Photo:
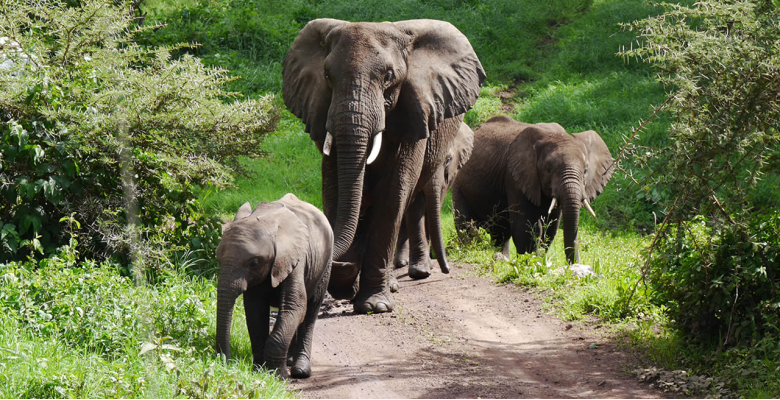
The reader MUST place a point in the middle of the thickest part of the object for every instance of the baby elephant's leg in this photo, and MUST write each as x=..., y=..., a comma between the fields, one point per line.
x=301, y=350
x=292, y=312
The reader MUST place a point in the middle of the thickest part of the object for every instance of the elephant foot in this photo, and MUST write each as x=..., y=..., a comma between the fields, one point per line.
x=280, y=371
x=343, y=283
x=302, y=368
x=392, y=282
x=419, y=270
x=401, y=261
x=373, y=301
x=500, y=257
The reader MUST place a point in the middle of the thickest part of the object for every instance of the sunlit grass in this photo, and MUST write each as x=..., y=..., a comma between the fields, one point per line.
x=41, y=356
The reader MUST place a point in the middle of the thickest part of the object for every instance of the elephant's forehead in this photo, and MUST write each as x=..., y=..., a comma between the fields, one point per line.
x=244, y=241
x=376, y=34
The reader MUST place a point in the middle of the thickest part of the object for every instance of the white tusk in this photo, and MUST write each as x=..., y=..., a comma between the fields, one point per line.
x=375, y=148
x=327, y=144
x=590, y=210
x=552, y=205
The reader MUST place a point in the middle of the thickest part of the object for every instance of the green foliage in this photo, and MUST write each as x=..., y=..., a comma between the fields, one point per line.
x=720, y=61
x=614, y=257
x=94, y=124
x=291, y=166
x=716, y=283
x=79, y=329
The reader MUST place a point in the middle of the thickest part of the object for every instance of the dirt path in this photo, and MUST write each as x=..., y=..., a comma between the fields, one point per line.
x=461, y=336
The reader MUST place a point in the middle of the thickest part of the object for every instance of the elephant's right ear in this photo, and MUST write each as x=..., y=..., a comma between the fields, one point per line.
x=522, y=163
x=304, y=89
x=466, y=138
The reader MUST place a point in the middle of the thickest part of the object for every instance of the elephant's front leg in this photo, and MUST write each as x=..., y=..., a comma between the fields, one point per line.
x=257, y=309
x=292, y=310
x=396, y=181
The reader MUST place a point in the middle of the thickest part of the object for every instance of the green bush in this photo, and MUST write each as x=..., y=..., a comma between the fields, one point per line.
x=718, y=265
x=716, y=282
x=97, y=128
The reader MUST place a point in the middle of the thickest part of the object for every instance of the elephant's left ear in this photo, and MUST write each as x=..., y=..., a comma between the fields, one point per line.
x=442, y=81
x=600, y=162
x=291, y=242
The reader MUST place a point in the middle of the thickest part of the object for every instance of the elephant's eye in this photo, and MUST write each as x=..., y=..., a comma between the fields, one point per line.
x=327, y=76
x=586, y=171
x=253, y=263
x=390, y=76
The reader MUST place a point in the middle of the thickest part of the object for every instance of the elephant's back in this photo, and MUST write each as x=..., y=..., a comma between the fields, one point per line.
x=310, y=215
x=479, y=183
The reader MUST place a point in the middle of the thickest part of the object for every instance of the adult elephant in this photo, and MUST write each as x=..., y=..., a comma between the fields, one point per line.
x=381, y=101
x=522, y=178
x=423, y=216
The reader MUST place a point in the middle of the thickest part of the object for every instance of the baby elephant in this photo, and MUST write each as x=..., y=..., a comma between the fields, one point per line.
x=277, y=255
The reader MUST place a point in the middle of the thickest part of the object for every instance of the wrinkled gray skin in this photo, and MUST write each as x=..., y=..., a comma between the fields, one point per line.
x=277, y=255
x=515, y=171
x=410, y=80
x=423, y=216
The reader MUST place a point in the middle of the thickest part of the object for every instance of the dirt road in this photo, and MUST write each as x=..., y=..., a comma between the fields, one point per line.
x=461, y=336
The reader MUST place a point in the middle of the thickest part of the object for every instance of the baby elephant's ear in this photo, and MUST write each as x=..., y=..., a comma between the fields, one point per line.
x=243, y=211
x=291, y=244
x=600, y=162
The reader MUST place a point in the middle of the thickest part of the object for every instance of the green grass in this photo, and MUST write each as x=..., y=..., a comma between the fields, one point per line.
x=76, y=331
x=292, y=165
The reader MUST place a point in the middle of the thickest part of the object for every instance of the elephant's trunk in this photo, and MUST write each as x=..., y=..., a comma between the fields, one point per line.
x=227, y=292
x=433, y=218
x=571, y=199
x=352, y=144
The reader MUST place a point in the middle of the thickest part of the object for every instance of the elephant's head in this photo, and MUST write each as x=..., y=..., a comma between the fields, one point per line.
x=349, y=82
x=260, y=247
x=457, y=156
x=548, y=163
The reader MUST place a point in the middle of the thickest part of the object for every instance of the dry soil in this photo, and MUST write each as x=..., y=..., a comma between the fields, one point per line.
x=462, y=336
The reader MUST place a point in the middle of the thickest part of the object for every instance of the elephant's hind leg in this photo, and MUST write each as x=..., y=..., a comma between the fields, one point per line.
x=419, y=251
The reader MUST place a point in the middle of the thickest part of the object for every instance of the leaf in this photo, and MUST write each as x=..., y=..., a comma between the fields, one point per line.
x=171, y=347
x=147, y=347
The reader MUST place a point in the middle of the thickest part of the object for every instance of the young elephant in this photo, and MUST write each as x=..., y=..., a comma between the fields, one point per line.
x=277, y=255
x=533, y=173
x=423, y=216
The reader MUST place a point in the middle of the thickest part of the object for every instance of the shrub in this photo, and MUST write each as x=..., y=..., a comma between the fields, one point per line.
x=716, y=283
x=97, y=128
x=718, y=267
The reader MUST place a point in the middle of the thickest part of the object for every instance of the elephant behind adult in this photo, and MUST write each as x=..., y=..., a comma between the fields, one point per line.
x=423, y=217
x=522, y=178
x=398, y=90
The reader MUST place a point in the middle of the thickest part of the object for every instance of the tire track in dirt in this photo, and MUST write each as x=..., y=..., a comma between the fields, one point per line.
x=462, y=336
